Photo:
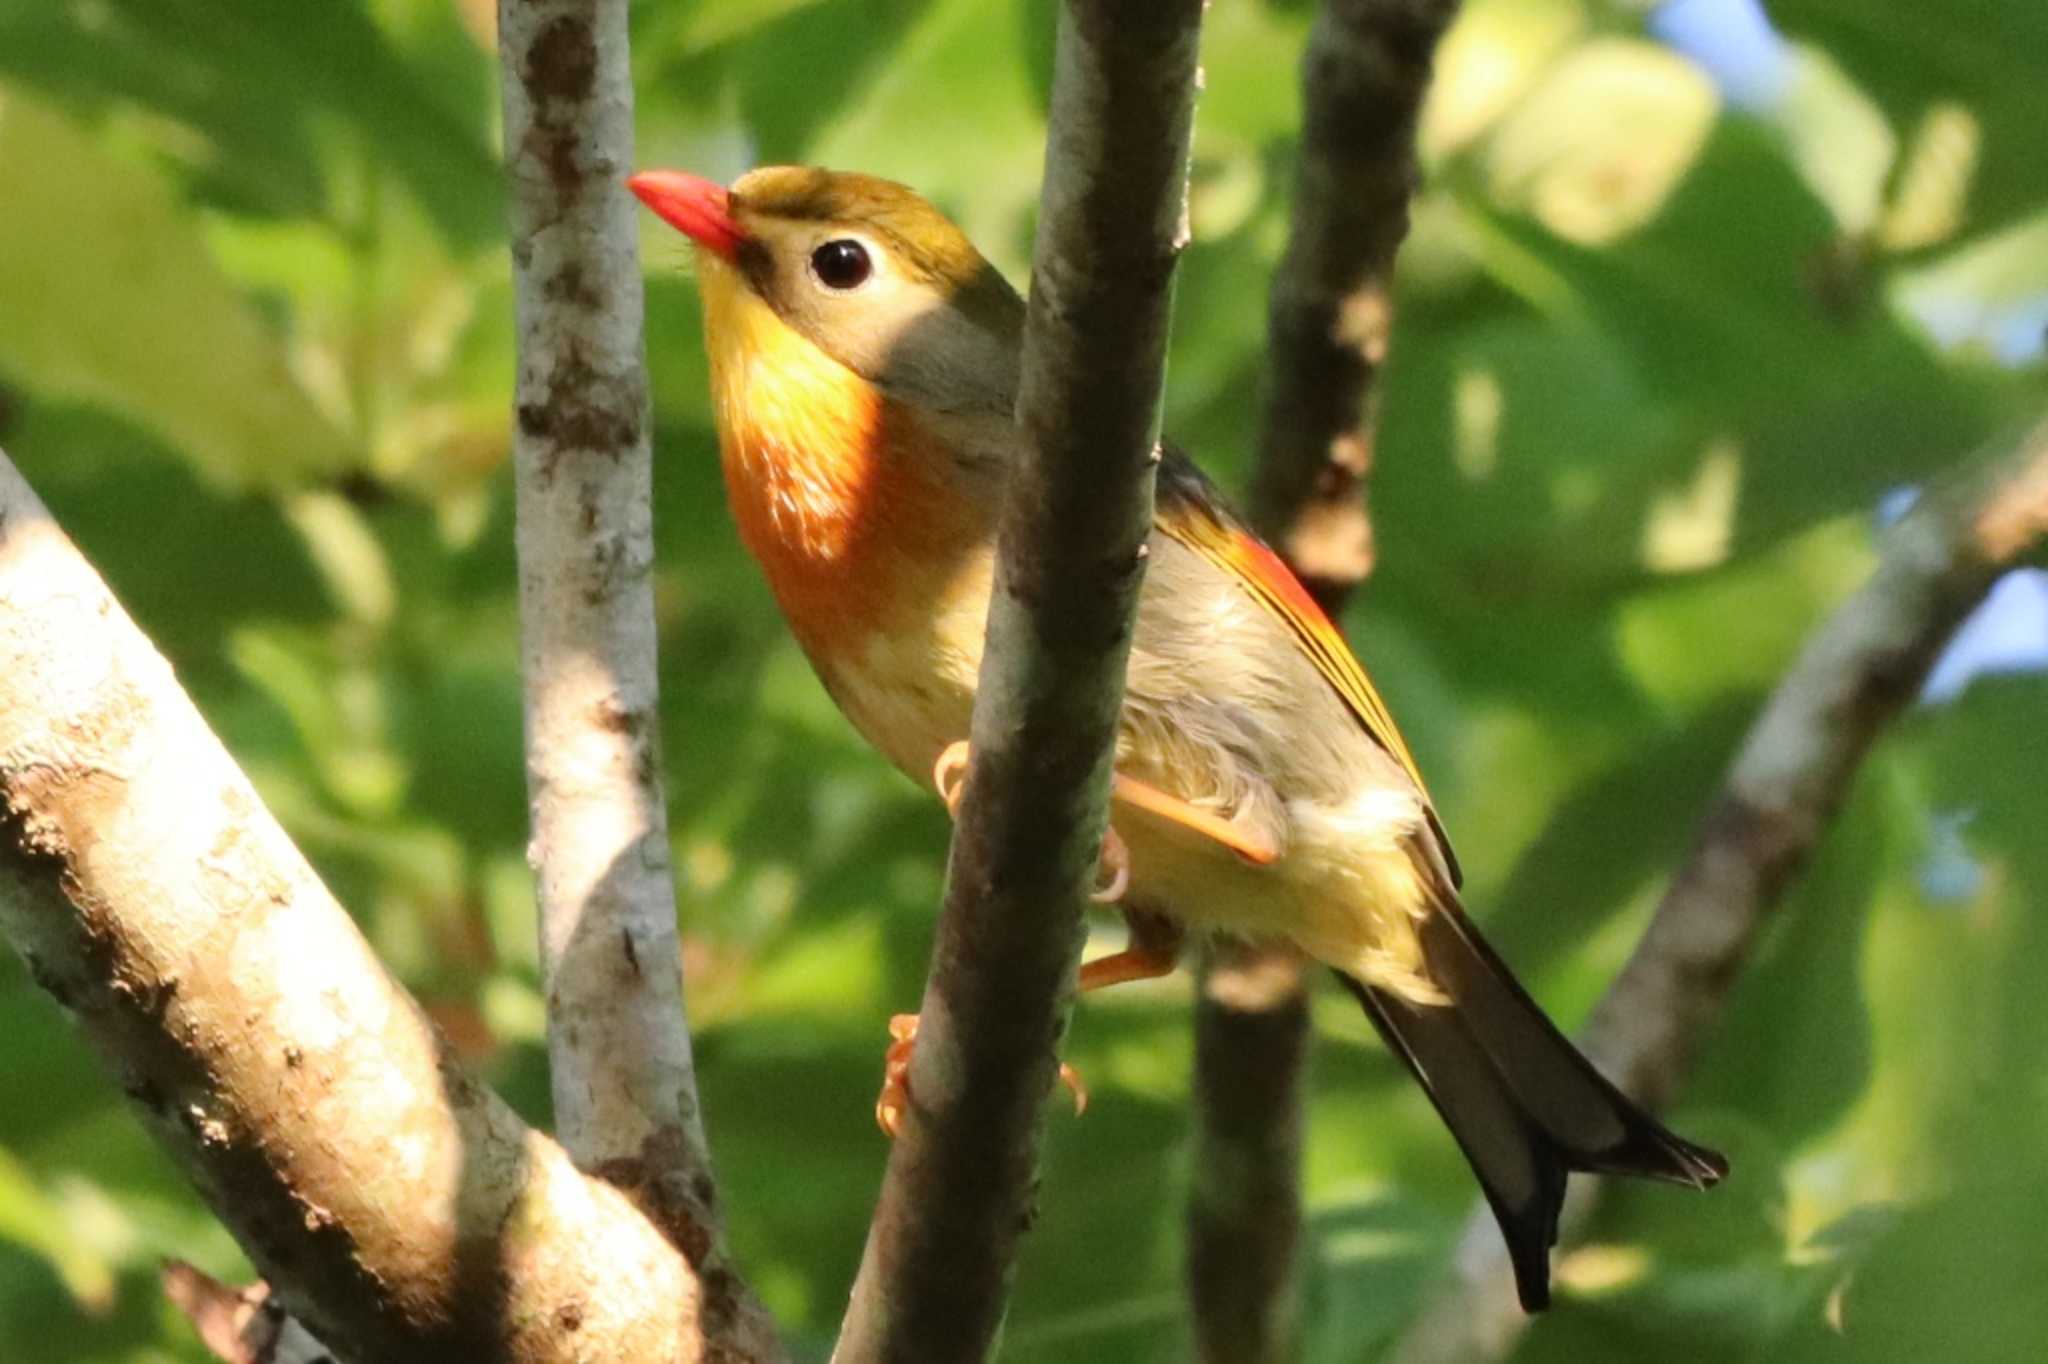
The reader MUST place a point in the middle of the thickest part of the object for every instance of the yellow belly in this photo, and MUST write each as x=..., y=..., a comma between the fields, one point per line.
x=908, y=685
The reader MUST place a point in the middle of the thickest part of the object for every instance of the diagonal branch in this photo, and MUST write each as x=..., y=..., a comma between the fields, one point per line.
x=1070, y=559
x=1862, y=668
x=1364, y=75
x=625, y=1092
x=398, y=1208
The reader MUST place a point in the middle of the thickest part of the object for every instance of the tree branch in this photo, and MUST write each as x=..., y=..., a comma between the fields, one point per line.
x=1863, y=667
x=625, y=1093
x=1244, y=1208
x=1364, y=75
x=398, y=1207
x=1070, y=559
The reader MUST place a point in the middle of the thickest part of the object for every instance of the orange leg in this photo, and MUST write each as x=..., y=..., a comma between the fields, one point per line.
x=895, y=1096
x=1155, y=942
x=949, y=774
x=894, y=1099
x=1154, y=950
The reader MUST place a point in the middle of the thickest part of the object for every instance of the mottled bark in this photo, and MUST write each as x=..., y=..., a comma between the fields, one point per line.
x=625, y=1096
x=1862, y=667
x=1070, y=559
x=396, y=1206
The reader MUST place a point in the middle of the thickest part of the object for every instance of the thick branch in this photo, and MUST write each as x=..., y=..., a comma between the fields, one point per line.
x=398, y=1208
x=1363, y=79
x=1070, y=559
x=624, y=1089
x=1863, y=667
x=1364, y=75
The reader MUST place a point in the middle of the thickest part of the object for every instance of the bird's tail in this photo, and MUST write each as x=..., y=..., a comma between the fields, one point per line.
x=1526, y=1107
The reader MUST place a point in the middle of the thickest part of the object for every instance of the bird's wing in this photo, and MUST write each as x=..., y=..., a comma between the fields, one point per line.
x=1192, y=512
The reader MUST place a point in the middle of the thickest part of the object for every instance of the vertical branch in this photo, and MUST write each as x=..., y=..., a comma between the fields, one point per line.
x=1363, y=79
x=624, y=1090
x=1070, y=557
x=1364, y=75
x=1244, y=1211
x=1858, y=672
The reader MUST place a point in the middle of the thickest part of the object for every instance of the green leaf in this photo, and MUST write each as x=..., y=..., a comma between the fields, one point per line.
x=1610, y=837
x=1731, y=304
x=30, y=1218
x=1957, y=1279
x=264, y=84
x=113, y=299
x=1983, y=57
x=1365, y=1261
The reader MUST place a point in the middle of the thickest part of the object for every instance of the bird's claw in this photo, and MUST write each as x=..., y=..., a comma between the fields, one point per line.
x=894, y=1100
x=1116, y=859
x=949, y=775
x=1071, y=1078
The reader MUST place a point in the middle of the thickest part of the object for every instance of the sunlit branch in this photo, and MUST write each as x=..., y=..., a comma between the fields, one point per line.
x=625, y=1093
x=395, y=1205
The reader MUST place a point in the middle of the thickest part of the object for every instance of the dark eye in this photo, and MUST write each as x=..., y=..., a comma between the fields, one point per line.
x=841, y=264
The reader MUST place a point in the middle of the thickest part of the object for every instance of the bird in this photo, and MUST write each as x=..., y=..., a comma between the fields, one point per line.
x=864, y=361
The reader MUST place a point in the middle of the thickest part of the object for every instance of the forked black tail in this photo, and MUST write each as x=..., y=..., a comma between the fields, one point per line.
x=1526, y=1107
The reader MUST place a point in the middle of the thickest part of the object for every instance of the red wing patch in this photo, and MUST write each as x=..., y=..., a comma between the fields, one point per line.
x=1275, y=587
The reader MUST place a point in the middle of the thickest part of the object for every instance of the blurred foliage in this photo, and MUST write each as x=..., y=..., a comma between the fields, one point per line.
x=1661, y=351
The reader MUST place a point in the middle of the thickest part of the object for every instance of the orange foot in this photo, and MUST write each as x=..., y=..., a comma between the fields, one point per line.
x=894, y=1100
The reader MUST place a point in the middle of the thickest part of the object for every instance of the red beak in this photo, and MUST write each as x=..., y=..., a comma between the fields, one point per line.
x=695, y=206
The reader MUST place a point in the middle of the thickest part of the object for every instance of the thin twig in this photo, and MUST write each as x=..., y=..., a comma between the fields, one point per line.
x=1862, y=667
x=1070, y=559
x=398, y=1208
x=625, y=1093
x=1364, y=75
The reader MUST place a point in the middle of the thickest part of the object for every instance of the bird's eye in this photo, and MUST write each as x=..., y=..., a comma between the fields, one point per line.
x=841, y=263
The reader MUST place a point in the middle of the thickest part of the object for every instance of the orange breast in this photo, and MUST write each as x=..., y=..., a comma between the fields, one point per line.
x=839, y=492
x=850, y=533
